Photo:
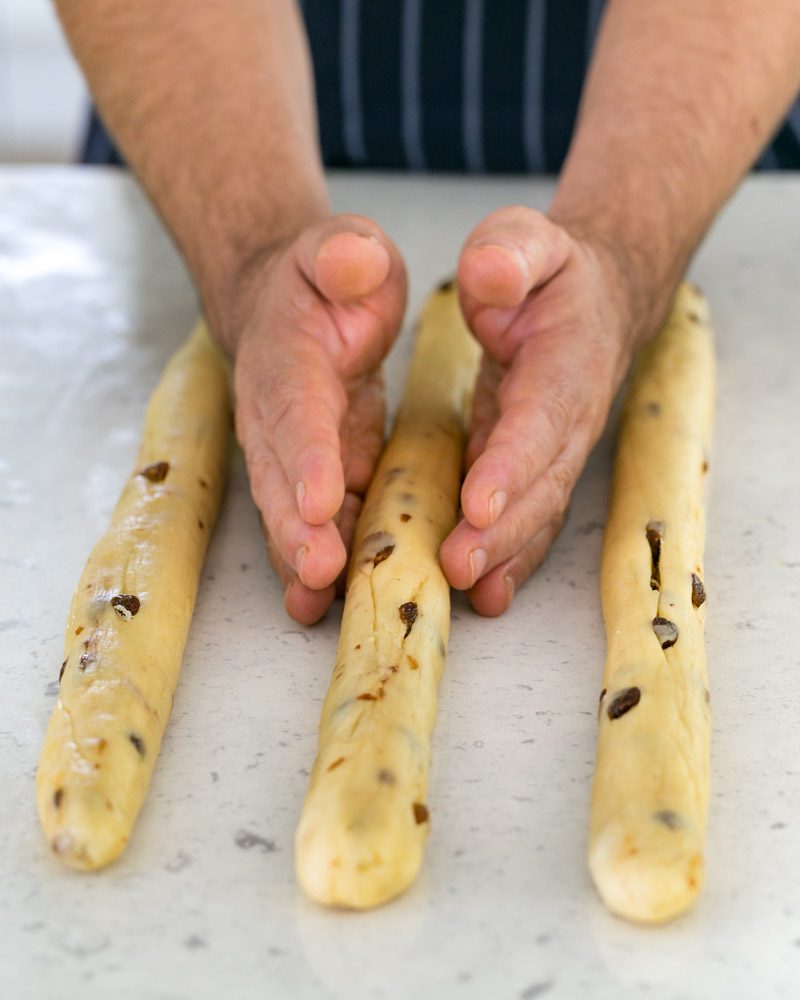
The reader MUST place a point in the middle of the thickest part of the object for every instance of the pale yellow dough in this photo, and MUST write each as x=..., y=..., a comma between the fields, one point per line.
x=650, y=795
x=364, y=822
x=130, y=616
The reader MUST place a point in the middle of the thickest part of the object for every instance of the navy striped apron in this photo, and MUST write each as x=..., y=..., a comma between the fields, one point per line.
x=453, y=85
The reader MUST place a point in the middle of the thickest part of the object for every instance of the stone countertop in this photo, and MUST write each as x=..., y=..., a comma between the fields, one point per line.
x=204, y=903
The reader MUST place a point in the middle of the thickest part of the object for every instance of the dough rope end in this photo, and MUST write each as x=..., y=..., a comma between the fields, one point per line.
x=332, y=878
x=355, y=869
x=647, y=883
x=69, y=821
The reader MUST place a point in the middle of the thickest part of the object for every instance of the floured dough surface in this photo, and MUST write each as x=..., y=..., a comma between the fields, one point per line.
x=130, y=616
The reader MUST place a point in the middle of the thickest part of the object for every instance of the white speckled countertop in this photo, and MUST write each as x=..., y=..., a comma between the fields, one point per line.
x=204, y=902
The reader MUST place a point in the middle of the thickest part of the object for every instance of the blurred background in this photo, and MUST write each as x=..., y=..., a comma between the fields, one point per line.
x=42, y=97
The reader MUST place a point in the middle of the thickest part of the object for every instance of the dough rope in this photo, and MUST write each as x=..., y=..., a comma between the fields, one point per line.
x=130, y=615
x=650, y=795
x=363, y=826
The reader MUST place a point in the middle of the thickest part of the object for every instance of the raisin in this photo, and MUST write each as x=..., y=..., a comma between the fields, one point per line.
x=698, y=591
x=654, y=533
x=367, y=697
x=58, y=797
x=383, y=554
x=405, y=517
x=666, y=631
x=126, y=605
x=408, y=615
x=623, y=702
x=386, y=777
x=61, y=671
x=138, y=742
x=670, y=819
x=420, y=813
x=155, y=473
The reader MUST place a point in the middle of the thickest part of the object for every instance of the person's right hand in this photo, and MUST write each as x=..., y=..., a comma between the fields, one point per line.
x=313, y=321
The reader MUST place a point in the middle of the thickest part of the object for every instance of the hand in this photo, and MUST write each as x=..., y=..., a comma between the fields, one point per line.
x=313, y=322
x=551, y=310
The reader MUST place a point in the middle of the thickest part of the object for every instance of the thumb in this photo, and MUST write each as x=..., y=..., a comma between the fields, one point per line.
x=509, y=254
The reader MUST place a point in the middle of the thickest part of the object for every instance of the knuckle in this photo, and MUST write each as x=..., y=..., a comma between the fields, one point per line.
x=560, y=411
x=558, y=489
x=283, y=405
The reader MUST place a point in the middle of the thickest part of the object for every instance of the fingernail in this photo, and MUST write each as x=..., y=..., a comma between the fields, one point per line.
x=300, y=492
x=514, y=252
x=497, y=504
x=510, y=588
x=477, y=563
x=524, y=265
x=300, y=555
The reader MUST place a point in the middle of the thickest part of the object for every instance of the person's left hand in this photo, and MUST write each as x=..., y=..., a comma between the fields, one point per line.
x=553, y=312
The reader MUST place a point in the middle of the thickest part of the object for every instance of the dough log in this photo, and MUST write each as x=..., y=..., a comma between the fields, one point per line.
x=364, y=822
x=650, y=795
x=130, y=616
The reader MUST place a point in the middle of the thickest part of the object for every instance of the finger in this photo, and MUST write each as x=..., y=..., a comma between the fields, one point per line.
x=346, y=257
x=346, y=523
x=540, y=401
x=495, y=591
x=341, y=331
x=349, y=265
x=326, y=440
x=362, y=431
x=306, y=606
x=315, y=553
x=469, y=553
x=299, y=409
x=511, y=252
x=358, y=270
x=485, y=411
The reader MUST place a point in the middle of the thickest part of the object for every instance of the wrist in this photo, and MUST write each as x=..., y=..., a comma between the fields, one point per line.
x=640, y=261
x=230, y=275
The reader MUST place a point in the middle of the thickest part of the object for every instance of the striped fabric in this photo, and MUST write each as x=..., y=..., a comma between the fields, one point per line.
x=453, y=85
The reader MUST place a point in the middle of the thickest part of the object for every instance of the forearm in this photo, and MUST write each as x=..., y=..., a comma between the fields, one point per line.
x=681, y=97
x=212, y=105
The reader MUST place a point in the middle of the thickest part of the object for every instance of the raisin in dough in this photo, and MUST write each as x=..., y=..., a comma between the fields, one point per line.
x=650, y=794
x=364, y=822
x=130, y=616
